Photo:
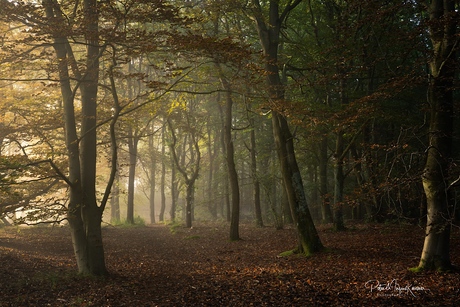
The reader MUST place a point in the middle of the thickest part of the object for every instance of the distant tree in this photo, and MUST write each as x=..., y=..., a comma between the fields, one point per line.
x=189, y=165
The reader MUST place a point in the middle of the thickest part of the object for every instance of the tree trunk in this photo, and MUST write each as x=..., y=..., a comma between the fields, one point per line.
x=230, y=157
x=269, y=34
x=163, y=177
x=84, y=216
x=211, y=203
x=132, y=146
x=232, y=174
x=174, y=193
x=188, y=204
x=152, y=171
x=190, y=173
x=435, y=254
x=226, y=198
x=255, y=177
x=339, y=183
x=115, y=201
x=326, y=214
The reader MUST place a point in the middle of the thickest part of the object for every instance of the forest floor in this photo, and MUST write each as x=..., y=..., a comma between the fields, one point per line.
x=162, y=265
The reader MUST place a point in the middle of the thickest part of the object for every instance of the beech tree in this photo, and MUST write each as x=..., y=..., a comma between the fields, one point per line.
x=443, y=27
x=269, y=29
x=79, y=43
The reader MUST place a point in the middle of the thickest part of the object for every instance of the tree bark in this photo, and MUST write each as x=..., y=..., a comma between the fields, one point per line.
x=84, y=215
x=174, y=192
x=132, y=149
x=232, y=174
x=115, y=201
x=269, y=35
x=326, y=214
x=192, y=174
x=226, y=183
x=255, y=178
x=339, y=183
x=163, y=176
x=436, y=247
x=152, y=171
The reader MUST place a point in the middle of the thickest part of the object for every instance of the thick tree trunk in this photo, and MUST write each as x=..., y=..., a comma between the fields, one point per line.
x=435, y=254
x=269, y=35
x=309, y=241
x=84, y=216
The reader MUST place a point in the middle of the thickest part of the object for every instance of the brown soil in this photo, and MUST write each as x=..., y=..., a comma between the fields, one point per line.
x=161, y=266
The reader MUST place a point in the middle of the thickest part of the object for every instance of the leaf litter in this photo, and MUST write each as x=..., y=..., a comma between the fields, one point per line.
x=367, y=265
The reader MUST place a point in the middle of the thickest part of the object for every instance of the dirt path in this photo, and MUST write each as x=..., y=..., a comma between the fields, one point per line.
x=161, y=266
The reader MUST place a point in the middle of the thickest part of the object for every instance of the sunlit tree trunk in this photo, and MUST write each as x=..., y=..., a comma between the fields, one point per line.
x=84, y=215
x=443, y=25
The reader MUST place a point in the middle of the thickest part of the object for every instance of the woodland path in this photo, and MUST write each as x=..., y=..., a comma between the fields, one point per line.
x=162, y=265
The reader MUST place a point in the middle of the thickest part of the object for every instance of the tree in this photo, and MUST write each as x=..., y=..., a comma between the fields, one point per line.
x=79, y=43
x=269, y=35
x=190, y=167
x=84, y=215
x=443, y=24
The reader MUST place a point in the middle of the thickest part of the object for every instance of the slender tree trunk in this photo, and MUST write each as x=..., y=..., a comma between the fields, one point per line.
x=163, y=176
x=189, y=186
x=232, y=174
x=211, y=203
x=226, y=198
x=255, y=178
x=174, y=192
x=443, y=25
x=152, y=171
x=339, y=183
x=326, y=214
x=115, y=201
x=190, y=175
x=132, y=145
